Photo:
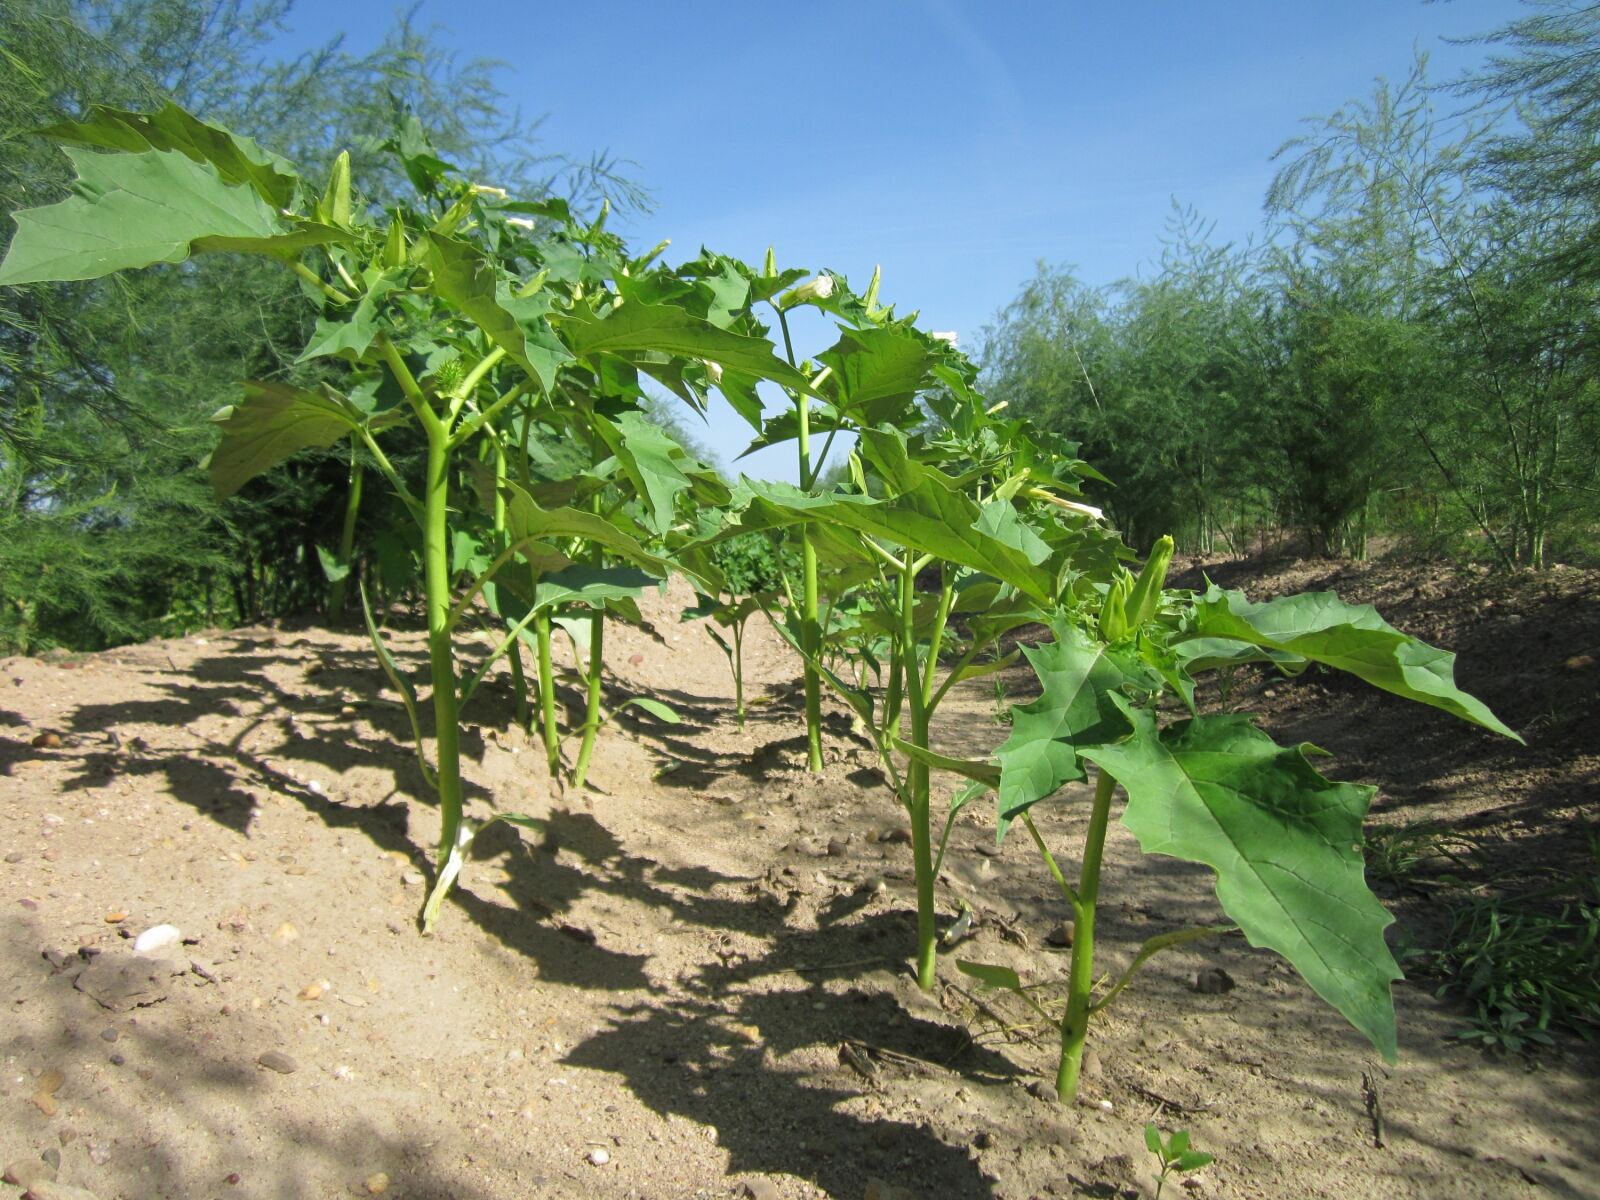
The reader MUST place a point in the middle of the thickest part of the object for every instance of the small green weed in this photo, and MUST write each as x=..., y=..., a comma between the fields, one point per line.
x=1173, y=1154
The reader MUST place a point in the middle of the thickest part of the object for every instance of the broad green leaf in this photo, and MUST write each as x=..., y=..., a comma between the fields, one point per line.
x=931, y=520
x=876, y=372
x=526, y=520
x=351, y=337
x=652, y=460
x=132, y=210
x=272, y=422
x=671, y=330
x=591, y=586
x=469, y=279
x=1284, y=842
x=1352, y=637
x=237, y=159
x=1082, y=679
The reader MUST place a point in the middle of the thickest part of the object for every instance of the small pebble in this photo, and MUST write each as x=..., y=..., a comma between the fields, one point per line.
x=116, y=917
x=377, y=1184
x=15, y=856
x=156, y=938
x=232, y=1178
x=1213, y=981
x=26, y=1172
x=898, y=836
x=1061, y=935
x=758, y=1189
x=117, y=1060
x=47, y=741
x=276, y=1060
x=598, y=1157
x=109, y=1034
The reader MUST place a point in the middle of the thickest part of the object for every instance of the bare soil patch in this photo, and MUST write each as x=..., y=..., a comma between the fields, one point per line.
x=696, y=984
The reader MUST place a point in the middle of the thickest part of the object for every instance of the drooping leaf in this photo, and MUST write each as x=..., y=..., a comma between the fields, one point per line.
x=1352, y=637
x=526, y=520
x=592, y=586
x=876, y=372
x=469, y=279
x=658, y=710
x=332, y=568
x=992, y=976
x=1082, y=679
x=272, y=422
x=1284, y=842
x=671, y=330
x=652, y=460
x=931, y=520
x=236, y=159
x=351, y=337
x=132, y=210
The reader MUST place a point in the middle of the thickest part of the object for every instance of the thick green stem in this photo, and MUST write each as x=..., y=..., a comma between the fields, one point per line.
x=347, y=539
x=591, y=716
x=547, y=693
x=810, y=629
x=519, y=681
x=441, y=660
x=1080, y=981
x=738, y=672
x=915, y=789
x=454, y=836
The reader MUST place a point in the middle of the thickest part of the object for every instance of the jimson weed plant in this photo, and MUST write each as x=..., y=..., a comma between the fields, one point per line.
x=511, y=342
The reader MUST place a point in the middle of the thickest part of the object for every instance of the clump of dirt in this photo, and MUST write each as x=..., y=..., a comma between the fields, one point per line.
x=694, y=983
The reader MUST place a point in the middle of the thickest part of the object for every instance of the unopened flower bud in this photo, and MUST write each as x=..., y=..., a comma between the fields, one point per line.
x=819, y=288
x=483, y=189
x=949, y=337
x=521, y=222
x=713, y=371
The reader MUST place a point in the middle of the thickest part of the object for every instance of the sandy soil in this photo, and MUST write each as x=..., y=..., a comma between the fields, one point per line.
x=696, y=985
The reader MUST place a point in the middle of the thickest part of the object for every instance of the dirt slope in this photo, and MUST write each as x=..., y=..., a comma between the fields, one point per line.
x=695, y=985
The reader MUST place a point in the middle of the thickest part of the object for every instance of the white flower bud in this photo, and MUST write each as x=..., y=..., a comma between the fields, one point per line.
x=949, y=337
x=483, y=189
x=713, y=371
x=521, y=222
x=819, y=288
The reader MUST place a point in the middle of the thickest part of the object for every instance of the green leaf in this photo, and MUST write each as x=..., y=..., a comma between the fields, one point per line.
x=132, y=210
x=591, y=586
x=470, y=280
x=1193, y=1160
x=1352, y=637
x=658, y=710
x=350, y=338
x=984, y=773
x=876, y=372
x=671, y=330
x=931, y=520
x=271, y=423
x=236, y=159
x=527, y=521
x=1082, y=679
x=992, y=976
x=331, y=566
x=1284, y=842
x=652, y=460
x=1152, y=1140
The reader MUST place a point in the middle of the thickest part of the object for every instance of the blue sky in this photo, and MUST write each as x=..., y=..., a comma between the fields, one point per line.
x=957, y=144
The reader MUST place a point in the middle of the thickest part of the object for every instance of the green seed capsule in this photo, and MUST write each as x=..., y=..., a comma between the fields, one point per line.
x=1144, y=601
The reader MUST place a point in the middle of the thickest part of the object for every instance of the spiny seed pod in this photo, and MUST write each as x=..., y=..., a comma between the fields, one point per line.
x=449, y=375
